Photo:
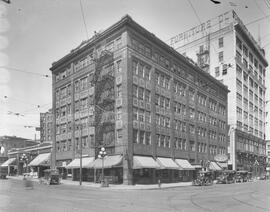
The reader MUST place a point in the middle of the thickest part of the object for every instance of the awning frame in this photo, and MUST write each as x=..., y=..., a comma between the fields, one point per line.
x=8, y=162
x=138, y=162
x=86, y=161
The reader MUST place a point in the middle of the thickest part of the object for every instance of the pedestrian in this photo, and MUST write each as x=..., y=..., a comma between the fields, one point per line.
x=28, y=183
x=159, y=183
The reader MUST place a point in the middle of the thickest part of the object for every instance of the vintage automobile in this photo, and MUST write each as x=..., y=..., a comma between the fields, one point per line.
x=51, y=176
x=204, y=178
x=241, y=176
x=226, y=176
x=262, y=177
x=3, y=172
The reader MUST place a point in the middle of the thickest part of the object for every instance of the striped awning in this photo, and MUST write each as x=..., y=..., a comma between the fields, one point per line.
x=75, y=164
x=184, y=164
x=214, y=166
x=8, y=162
x=167, y=163
x=41, y=160
x=109, y=162
x=144, y=162
x=223, y=165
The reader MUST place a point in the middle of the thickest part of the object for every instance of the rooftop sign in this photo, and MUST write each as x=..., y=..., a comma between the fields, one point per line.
x=203, y=29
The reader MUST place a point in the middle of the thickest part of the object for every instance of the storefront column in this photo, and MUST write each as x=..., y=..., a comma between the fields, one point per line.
x=127, y=172
x=73, y=174
x=154, y=178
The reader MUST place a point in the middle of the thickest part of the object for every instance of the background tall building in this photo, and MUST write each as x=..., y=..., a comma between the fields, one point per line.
x=224, y=48
x=126, y=90
x=46, y=126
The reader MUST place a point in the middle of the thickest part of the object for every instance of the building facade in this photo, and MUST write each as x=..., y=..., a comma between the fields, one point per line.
x=127, y=91
x=224, y=48
x=9, y=142
x=33, y=158
x=46, y=126
x=268, y=152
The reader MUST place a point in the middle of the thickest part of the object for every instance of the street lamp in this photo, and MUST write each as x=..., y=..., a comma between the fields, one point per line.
x=2, y=149
x=24, y=159
x=102, y=154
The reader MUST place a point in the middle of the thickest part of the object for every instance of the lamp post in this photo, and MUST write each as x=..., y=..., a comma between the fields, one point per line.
x=102, y=154
x=2, y=149
x=24, y=159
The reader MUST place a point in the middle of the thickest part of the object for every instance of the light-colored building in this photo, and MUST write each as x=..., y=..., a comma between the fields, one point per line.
x=46, y=126
x=225, y=49
x=268, y=152
x=127, y=91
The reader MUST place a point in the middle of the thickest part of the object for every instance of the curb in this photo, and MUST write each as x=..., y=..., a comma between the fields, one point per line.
x=115, y=187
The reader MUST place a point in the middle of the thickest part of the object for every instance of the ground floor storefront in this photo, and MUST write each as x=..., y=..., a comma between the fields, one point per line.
x=144, y=170
x=254, y=164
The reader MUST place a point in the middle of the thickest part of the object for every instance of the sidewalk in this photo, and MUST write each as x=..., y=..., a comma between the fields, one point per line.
x=115, y=186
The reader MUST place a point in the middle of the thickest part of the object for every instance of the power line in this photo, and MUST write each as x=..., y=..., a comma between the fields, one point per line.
x=195, y=11
x=18, y=100
x=23, y=71
x=259, y=19
x=82, y=12
x=265, y=15
x=267, y=3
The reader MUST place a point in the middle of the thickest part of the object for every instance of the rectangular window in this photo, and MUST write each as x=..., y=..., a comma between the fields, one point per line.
x=141, y=115
x=147, y=72
x=135, y=91
x=147, y=138
x=217, y=71
x=135, y=136
x=147, y=95
x=142, y=133
x=141, y=93
x=245, y=51
x=220, y=57
x=135, y=114
x=238, y=43
x=192, y=146
x=140, y=70
x=118, y=91
x=224, y=69
x=220, y=42
x=147, y=116
x=134, y=68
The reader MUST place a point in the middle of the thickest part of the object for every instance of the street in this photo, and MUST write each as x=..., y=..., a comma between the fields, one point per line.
x=251, y=196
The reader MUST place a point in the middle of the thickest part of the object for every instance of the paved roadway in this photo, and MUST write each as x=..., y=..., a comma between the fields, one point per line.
x=248, y=197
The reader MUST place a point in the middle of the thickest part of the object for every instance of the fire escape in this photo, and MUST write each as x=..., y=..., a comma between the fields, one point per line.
x=104, y=102
x=203, y=56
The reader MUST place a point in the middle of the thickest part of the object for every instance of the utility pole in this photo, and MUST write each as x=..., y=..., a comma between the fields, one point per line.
x=80, y=126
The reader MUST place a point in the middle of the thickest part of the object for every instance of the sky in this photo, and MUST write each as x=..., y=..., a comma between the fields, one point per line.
x=35, y=33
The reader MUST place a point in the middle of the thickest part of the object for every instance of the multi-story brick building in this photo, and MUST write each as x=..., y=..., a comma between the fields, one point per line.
x=224, y=48
x=148, y=105
x=46, y=126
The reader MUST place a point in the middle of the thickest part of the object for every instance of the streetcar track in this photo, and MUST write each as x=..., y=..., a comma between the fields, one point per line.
x=197, y=205
x=250, y=204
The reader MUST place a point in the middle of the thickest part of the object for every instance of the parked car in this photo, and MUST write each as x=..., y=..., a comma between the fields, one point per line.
x=226, y=176
x=3, y=172
x=241, y=176
x=51, y=176
x=262, y=177
x=204, y=178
